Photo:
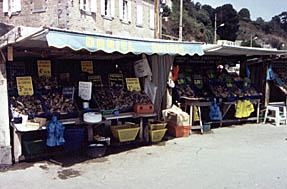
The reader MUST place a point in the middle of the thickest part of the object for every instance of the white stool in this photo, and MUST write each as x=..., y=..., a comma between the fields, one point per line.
x=279, y=114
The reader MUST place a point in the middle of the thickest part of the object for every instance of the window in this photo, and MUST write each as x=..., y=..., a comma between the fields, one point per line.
x=88, y=6
x=38, y=5
x=151, y=19
x=125, y=10
x=11, y=6
x=139, y=15
x=108, y=8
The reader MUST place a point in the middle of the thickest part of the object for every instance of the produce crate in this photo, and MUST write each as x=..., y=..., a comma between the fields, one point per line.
x=260, y=95
x=125, y=133
x=144, y=108
x=157, y=135
x=156, y=125
x=179, y=131
x=34, y=147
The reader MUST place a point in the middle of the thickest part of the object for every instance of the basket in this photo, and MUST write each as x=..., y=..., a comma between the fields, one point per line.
x=155, y=125
x=157, y=135
x=34, y=147
x=125, y=133
x=96, y=150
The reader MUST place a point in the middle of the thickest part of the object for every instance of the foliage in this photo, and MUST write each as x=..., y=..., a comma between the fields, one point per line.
x=244, y=15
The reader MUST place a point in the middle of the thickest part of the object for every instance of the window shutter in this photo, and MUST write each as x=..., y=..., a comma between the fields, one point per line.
x=129, y=11
x=139, y=15
x=17, y=6
x=151, y=18
x=82, y=4
x=121, y=9
x=113, y=8
x=103, y=7
x=94, y=6
x=5, y=6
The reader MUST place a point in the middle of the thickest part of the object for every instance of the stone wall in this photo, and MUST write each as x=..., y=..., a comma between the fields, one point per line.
x=70, y=17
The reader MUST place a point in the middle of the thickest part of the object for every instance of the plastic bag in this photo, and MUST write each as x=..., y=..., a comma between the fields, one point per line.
x=142, y=68
x=55, y=132
x=150, y=89
x=243, y=108
x=215, y=113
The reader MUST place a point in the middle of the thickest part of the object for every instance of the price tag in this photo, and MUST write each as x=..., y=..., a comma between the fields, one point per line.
x=25, y=86
x=116, y=80
x=197, y=80
x=85, y=90
x=44, y=68
x=96, y=80
x=181, y=80
x=210, y=74
x=246, y=83
x=229, y=84
x=133, y=84
x=87, y=66
x=69, y=92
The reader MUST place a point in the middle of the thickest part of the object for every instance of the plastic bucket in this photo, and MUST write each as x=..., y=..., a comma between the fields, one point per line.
x=96, y=150
x=206, y=127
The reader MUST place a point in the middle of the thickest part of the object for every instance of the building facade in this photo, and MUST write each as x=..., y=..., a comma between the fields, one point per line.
x=133, y=18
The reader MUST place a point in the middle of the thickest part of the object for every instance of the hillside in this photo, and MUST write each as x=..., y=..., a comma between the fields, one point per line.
x=198, y=25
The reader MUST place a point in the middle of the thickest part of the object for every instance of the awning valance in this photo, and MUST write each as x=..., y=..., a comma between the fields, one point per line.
x=109, y=44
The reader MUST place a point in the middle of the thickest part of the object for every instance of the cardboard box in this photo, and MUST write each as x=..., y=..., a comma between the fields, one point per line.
x=178, y=119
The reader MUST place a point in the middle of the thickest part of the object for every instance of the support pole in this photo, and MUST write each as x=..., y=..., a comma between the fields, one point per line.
x=215, y=28
x=156, y=20
x=180, y=21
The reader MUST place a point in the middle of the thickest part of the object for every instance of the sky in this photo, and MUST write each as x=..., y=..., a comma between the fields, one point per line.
x=265, y=9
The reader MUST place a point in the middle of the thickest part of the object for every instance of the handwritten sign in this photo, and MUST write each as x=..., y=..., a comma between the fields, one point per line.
x=69, y=92
x=229, y=84
x=87, y=66
x=210, y=74
x=85, y=90
x=246, y=83
x=16, y=69
x=116, y=80
x=198, y=82
x=44, y=68
x=25, y=86
x=96, y=80
x=133, y=84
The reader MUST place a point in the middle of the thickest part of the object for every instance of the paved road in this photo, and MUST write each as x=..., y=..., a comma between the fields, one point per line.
x=245, y=156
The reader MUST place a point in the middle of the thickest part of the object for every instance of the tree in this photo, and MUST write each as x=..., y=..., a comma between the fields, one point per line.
x=244, y=15
x=227, y=14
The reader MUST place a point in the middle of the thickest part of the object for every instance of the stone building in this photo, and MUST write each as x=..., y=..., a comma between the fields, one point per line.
x=133, y=18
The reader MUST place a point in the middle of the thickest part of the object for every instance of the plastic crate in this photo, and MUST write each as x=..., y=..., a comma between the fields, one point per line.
x=157, y=135
x=179, y=131
x=34, y=147
x=155, y=125
x=144, y=108
x=125, y=133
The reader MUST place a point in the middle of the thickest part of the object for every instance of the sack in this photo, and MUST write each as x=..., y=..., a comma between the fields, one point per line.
x=150, y=89
x=243, y=108
x=215, y=113
x=175, y=116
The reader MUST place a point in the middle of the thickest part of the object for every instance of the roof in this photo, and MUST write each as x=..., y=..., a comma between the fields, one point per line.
x=43, y=37
x=225, y=50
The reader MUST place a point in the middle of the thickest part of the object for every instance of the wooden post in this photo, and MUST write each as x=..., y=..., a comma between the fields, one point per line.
x=156, y=20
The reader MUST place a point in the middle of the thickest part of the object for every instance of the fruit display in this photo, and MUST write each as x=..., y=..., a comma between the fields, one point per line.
x=58, y=103
x=108, y=99
x=47, y=83
x=187, y=91
x=26, y=105
x=253, y=92
x=220, y=90
x=238, y=92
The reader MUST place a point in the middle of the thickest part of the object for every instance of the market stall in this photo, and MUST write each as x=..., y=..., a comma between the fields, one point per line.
x=212, y=83
x=67, y=74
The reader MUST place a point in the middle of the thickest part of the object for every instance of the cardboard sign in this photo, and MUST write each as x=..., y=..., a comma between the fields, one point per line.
x=116, y=80
x=87, y=66
x=198, y=82
x=25, y=86
x=44, y=68
x=229, y=84
x=246, y=83
x=96, y=80
x=133, y=84
x=69, y=92
x=181, y=80
x=210, y=74
x=85, y=90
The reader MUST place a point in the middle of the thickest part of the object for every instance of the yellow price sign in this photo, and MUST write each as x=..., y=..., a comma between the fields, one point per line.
x=197, y=82
x=44, y=68
x=133, y=84
x=25, y=86
x=87, y=66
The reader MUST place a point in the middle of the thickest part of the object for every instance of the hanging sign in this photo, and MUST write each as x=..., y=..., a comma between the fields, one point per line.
x=198, y=82
x=116, y=80
x=96, y=80
x=87, y=66
x=133, y=84
x=210, y=74
x=69, y=92
x=25, y=86
x=16, y=69
x=85, y=90
x=44, y=68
